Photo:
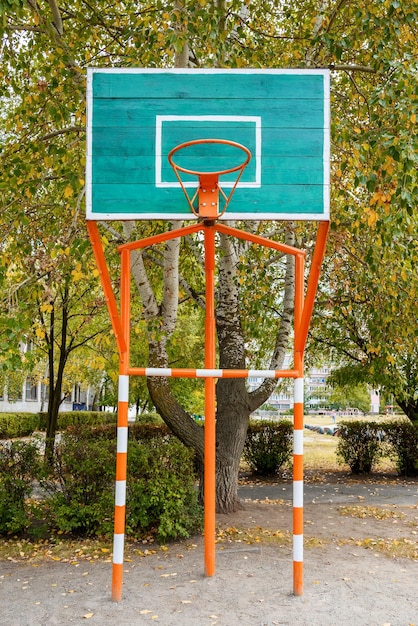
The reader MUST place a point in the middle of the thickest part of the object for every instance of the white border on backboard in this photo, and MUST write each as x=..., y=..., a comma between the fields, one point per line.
x=160, y=119
x=229, y=215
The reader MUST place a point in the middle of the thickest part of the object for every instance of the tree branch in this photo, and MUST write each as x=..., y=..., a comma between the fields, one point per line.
x=351, y=68
x=63, y=131
x=56, y=17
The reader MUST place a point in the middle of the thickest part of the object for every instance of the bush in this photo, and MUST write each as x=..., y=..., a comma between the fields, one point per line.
x=360, y=445
x=19, y=465
x=145, y=431
x=402, y=439
x=161, y=495
x=14, y=425
x=268, y=446
x=151, y=417
x=81, y=483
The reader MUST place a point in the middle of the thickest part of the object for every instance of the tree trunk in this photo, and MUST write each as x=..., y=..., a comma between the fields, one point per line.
x=55, y=384
x=410, y=408
x=233, y=409
x=231, y=429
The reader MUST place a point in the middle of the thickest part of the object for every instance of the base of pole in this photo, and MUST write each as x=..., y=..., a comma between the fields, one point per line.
x=117, y=575
x=298, y=578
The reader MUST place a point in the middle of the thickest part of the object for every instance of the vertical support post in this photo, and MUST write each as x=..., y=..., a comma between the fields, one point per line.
x=210, y=423
x=122, y=435
x=298, y=489
x=298, y=413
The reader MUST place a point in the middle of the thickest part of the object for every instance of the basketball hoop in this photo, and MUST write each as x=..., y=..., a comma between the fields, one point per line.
x=207, y=192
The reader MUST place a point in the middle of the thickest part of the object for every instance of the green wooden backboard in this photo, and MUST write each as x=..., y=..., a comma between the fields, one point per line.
x=136, y=116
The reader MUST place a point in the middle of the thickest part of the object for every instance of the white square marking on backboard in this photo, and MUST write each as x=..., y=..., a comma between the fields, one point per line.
x=160, y=119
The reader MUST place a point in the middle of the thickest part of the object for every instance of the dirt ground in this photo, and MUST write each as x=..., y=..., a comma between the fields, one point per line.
x=360, y=567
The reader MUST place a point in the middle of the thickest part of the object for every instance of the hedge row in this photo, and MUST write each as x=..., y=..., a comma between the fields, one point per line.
x=14, y=425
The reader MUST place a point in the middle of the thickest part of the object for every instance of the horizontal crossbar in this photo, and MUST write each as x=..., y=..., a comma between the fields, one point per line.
x=211, y=373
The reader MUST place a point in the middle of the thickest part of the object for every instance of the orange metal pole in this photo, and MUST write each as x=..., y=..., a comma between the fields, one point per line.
x=161, y=237
x=313, y=280
x=106, y=284
x=262, y=241
x=210, y=423
x=298, y=413
x=122, y=436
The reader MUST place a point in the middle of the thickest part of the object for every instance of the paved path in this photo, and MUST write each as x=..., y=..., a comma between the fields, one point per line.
x=403, y=494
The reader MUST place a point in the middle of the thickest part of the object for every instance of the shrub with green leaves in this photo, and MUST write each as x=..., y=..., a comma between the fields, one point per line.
x=402, y=439
x=161, y=494
x=19, y=465
x=80, y=487
x=268, y=446
x=161, y=489
x=360, y=445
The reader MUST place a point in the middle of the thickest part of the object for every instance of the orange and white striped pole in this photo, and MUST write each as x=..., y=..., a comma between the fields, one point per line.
x=122, y=436
x=120, y=492
x=298, y=488
x=298, y=412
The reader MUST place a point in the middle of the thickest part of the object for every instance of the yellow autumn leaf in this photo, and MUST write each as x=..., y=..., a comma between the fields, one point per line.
x=68, y=191
x=40, y=333
x=46, y=308
x=372, y=219
x=77, y=272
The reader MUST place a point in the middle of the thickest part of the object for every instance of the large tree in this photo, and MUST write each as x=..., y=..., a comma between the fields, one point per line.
x=46, y=47
x=367, y=318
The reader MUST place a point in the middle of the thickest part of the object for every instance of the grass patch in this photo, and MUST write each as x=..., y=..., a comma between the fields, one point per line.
x=72, y=551
x=319, y=452
x=55, y=549
x=374, y=512
x=253, y=536
x=394, y=548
